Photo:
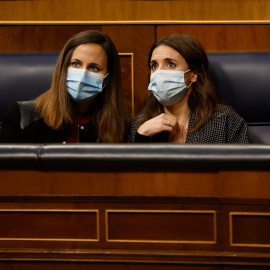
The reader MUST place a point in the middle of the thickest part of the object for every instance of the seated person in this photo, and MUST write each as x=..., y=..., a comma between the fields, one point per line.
x=182, y=105
x=84, y=104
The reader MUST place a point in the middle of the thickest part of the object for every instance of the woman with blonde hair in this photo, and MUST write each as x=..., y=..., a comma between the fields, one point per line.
x=84, y=104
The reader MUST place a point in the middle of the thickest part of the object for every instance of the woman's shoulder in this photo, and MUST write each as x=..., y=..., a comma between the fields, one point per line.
x=135, y=119
x=133, y=127
x=13, y=108
x=22, y=106
x=17, y=117
x=23, y=112
x=223, y=110
x=226, y=112
x=12, y=114
x=28, y=113
x=225, y=126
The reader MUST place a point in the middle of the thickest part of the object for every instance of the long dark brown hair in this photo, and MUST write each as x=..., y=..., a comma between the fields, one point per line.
x=110, y=110
x=203, y=98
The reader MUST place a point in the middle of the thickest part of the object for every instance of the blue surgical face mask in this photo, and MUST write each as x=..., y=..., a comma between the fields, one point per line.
x=168, y=86
x=83, y=85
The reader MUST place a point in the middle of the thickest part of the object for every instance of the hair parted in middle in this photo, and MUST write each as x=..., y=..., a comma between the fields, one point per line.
x=111, y=113
x=203, y=98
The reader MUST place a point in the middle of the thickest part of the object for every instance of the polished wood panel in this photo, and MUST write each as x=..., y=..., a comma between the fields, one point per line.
x=107, y=254
x=127, y=72
x=136, y=39
x=48, y=225
x=161, y=226
x=244, y=227
x=226, y=184
x=34, y=38
x=169, y=253
x=138, y=10
x=224, y=38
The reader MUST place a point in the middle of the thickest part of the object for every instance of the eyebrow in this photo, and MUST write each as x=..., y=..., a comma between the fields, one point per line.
x=95, y=64
x=166, y=59
x=75, y=59
x=78, y=60
x=170, y=59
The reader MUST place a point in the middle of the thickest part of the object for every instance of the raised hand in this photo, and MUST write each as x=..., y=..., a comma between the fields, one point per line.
x=160, y=123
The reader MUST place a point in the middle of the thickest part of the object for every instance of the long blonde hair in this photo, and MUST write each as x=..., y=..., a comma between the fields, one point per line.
x=111, y=113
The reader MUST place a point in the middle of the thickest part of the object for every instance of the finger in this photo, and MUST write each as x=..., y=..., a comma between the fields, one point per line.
x=168, y=128
x=171, y=123
x=167, y=122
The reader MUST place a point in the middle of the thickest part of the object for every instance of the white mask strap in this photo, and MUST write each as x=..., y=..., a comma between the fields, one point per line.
x=189, y=85
x=187, y=71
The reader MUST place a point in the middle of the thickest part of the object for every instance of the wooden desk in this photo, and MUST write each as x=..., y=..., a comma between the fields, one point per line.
x=159, y=215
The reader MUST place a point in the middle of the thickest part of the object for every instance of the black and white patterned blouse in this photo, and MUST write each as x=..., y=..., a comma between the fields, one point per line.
x=225, y=126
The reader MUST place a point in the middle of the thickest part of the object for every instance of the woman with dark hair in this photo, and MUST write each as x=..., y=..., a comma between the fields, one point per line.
x=182, y=105
x=84, y=104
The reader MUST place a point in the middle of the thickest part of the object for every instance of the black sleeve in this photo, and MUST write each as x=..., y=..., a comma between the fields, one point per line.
x=10, y=131
x=134, y=136
x=139, y=138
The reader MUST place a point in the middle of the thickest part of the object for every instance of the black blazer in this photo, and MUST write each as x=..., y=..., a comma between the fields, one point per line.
x=22, y=124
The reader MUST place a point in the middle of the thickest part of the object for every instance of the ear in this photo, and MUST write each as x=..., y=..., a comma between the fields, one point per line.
x=194, y=76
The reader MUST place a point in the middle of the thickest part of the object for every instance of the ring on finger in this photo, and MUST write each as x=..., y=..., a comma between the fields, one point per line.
x=169, y=123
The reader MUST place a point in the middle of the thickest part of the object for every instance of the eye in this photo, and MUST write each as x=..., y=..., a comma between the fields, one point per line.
x=154, y=66
x=75, y=64
x=94, y=68
x=171, y=65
